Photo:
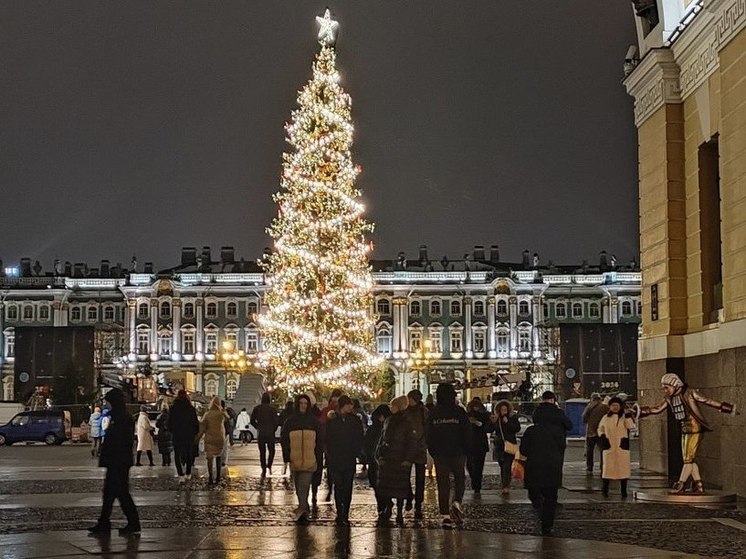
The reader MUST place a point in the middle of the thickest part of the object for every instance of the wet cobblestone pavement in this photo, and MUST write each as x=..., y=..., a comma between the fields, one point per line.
x=38, y=501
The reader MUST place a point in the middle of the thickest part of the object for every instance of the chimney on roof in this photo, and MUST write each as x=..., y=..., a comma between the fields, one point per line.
x=479, y=253
x=37, y=268
x=2, y=269
x=25, y=267
x=79, y=270
x=93, y=273
x=105, y=269
x=603, y=261
x=68, y=269
x=188, y=256
x=206, y=258
x=148, y=268
x=494, y=254
x=423, y=255
x=226, y=255
x=526, y=258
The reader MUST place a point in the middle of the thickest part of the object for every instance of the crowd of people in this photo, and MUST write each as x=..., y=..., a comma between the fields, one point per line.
x=402, y=440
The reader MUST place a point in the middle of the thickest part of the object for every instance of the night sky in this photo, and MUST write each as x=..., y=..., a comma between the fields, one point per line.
x=141, y=127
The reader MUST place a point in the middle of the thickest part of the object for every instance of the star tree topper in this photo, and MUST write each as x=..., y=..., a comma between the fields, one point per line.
x=327, y=29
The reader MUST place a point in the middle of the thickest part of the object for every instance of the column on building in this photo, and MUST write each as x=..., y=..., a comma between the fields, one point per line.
x=130, y=311
x=176, y=329
x=536, y=313
x=605, y=310
x=154, y=326
x=513, y=310
x=2, y=335
x=199, y=334
x=396, y=342
x=614, y=313
x=491, y=328
x=404, y=324
x=468, y=353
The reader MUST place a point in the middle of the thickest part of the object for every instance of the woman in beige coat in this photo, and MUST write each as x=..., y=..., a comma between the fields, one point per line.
x=144, y=436
x=212, y=428
x=613, y=431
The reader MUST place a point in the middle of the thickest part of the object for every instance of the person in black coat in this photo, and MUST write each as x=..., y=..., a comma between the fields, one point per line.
x=448, y=440
x=265, y=419
x=184, y=426
x=370, y=443
x=396, y=452
x=344, y=439
x=116, y=457
x=543, y=445
x=479, y=419
x=506, y=427
x=165, y=439
x=286, y=413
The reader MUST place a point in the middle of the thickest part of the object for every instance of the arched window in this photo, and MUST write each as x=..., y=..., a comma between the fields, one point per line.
x=76, y=314
x=503, y=341
x=231, y=387
x=524, y=340
x=455, y=308
x=164, y=343
x=435, y=308
x=12, y=312
x=577, y=310
x=188, y=310
x=594, y=310
x=92, y=313
x=165, y=309
x=383, y=340
x=383, y=306
x=28, y=312
x=502, y=307
x=252, y=308
x=560, y=310
x=523, y=308
x=211, y=387
x=415, y=309
x=231, y=309
x=187, y=342
x=252, y=340
x=211, y=310
x=143, y=309
x=479, y=308
x=44, y=312
x=626, y=308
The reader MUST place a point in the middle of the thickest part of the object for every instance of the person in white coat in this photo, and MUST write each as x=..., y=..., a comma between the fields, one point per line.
x=144, y=436
x=613, y=432
x=242, y=424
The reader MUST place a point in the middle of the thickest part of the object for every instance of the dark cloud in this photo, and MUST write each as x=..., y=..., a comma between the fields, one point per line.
x=144, y=126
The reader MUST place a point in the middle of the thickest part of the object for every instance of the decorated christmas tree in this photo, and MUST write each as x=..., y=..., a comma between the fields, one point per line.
x=318, y=327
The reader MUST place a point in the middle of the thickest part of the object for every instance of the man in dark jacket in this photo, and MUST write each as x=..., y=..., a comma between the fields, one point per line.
x=543, y=445
x=116, y=457
x=592, y=415
x=448, y=439
x=344, y=442
x=264, y=418
x=417, y=414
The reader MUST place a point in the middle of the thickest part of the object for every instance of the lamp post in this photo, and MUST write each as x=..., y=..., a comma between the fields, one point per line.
x=421, y=360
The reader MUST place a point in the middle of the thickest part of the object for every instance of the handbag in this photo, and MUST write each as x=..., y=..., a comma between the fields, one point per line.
x=517, y=470
x=509, y=448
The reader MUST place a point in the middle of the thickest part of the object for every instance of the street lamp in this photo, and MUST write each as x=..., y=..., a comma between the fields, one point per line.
x=421, y=360
x=238, y=360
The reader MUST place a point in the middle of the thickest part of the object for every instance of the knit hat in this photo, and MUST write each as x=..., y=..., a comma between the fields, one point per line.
x=616, y=400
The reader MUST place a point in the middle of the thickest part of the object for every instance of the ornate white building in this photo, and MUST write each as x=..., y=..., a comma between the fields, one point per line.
x=488, y=320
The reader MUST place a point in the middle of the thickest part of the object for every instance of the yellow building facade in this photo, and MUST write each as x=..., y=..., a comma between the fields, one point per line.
x=688, y=80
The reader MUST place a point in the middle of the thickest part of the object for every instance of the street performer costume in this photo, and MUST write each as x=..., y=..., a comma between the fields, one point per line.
x=684, y=403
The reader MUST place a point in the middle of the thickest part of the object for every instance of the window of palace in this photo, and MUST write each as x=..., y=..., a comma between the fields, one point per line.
x=211, y=310
x=252, y=341
x=10, y=345
x=143, y=342
x=164, y=343
x=109, y=313
x=478, y=339
x=76, y=314
x=594, y=310
x=524, y=340
x=211, y=342
x=456, y=341
x=44, y=312
x=503, y=341
x=92, y=314
x=455, y=308
x=435, y=308
x=502, y=307
x=383, y=341
x=415, y=340
x=415, y=308
x=577, y=310
x=143, y=310
x=523, y=308
x=252, y=308
x=187, y=342
x=28, y=312
x=231, y=309
x=560, y=310
x=436, y=339
x=165, y=309
x=479, y=308
x=211, y=387
x=12, y=312
x=231, y=337
x=188, y=310
x=626, y=308
x=231, y=387
x=383, y=306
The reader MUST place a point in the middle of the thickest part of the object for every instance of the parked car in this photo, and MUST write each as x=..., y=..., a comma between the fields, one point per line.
x=525, y=421
x=253, y=434
x=48, y=426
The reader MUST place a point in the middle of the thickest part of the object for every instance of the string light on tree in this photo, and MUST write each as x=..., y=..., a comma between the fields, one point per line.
x=318, y=329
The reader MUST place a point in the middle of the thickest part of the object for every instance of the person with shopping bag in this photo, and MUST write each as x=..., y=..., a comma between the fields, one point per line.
x=506, y=428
